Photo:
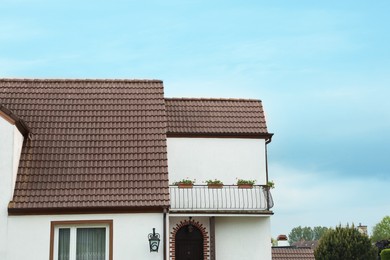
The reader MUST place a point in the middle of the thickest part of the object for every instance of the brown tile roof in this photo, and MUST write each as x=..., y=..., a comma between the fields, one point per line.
x=96, y=144
x=312, y=244
x=291, y=253
x=230, y=117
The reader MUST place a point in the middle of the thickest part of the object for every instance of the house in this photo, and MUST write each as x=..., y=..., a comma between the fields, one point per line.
x=292, y=253
x=303, y=243
x=284, y=251
x=88, y=166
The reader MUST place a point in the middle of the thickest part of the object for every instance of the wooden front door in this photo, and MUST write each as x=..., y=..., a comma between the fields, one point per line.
x=189, y=243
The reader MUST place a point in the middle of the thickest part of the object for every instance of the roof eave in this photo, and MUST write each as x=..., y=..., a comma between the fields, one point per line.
x=266, y=136
x=15, y=120
x=86, y=210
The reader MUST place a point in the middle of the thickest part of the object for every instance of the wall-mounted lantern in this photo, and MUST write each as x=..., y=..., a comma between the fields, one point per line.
x=154, y=241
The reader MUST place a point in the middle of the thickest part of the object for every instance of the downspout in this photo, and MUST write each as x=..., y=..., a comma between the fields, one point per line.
x=266, y=167
x=165, y=233
x=268, y=140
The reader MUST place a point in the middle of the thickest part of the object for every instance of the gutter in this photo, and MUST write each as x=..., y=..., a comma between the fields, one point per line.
x=269, y=139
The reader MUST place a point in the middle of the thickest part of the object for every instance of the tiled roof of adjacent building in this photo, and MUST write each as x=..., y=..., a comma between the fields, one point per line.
x=96, y=144
x=229, y=117
x=291, y=253
x=302, y=243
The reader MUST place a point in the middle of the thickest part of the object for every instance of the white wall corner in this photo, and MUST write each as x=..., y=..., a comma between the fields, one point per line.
x=11, y=141
x=6, y=168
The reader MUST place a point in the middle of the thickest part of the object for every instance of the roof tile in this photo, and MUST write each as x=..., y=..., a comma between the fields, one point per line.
x=291, y=253
x=95, y=143
x=189, y=116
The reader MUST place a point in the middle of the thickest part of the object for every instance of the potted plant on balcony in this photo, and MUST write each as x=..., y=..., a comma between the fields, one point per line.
x=185, y=183
x=270, y=185
x=214, y=184
x=245, y=184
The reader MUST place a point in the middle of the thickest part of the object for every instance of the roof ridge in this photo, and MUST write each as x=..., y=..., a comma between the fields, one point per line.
x=79, y=80
x=211, y=99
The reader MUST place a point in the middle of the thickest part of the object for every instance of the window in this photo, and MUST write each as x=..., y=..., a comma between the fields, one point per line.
x=81, y=240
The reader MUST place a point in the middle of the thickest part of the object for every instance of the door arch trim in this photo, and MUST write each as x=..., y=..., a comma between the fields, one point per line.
x=205, y=234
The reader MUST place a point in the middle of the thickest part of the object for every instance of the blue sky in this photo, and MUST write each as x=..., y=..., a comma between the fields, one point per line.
x=322, y=69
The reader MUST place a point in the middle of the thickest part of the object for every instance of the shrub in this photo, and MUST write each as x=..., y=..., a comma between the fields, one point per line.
x=344, y=243
x=383, y=244
x=385, y=254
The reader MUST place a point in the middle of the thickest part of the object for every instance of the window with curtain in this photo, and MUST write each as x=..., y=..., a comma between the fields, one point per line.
x=81, y=243
x=91, y=244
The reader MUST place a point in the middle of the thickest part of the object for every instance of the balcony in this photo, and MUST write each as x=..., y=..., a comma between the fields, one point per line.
x=228, y=199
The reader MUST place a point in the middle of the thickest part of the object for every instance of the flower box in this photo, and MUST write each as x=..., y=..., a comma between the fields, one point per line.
x=215, y=185
x=245, y=186
x=185, y=185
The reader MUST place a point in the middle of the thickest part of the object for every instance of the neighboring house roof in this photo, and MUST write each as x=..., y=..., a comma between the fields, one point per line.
x=15, y=120
x=303, y=243
x=291, y=253
x=216, y=117
x=96, y=145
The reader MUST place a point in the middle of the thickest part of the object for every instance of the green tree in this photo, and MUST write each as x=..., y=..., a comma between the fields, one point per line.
x=306, y=233
x=381, y=231
x=299, y=233
x=318, y=232
x=345, y=243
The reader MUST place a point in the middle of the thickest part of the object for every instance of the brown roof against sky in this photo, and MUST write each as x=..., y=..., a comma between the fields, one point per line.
x=290, y=253
x=95, y=144
x=200, y=116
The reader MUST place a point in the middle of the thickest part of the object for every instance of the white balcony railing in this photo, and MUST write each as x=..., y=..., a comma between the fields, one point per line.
x=229, y=198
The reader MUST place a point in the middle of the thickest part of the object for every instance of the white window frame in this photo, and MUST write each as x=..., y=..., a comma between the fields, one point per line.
x=73, y=226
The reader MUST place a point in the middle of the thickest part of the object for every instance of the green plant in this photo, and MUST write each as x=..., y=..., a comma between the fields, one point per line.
x=385, y=254
x=184, y=181
x=271, y=184
x=381, y=231
x=344, y=243
x=245, y=182
x=215, y=181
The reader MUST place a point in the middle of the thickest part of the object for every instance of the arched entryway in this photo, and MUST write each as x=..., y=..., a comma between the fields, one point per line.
x=189, y=243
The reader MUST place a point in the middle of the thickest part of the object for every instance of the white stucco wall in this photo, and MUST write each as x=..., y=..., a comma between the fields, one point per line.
x=29, y=236
x=244, y=238
x=225, y=159
x=10, y=146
